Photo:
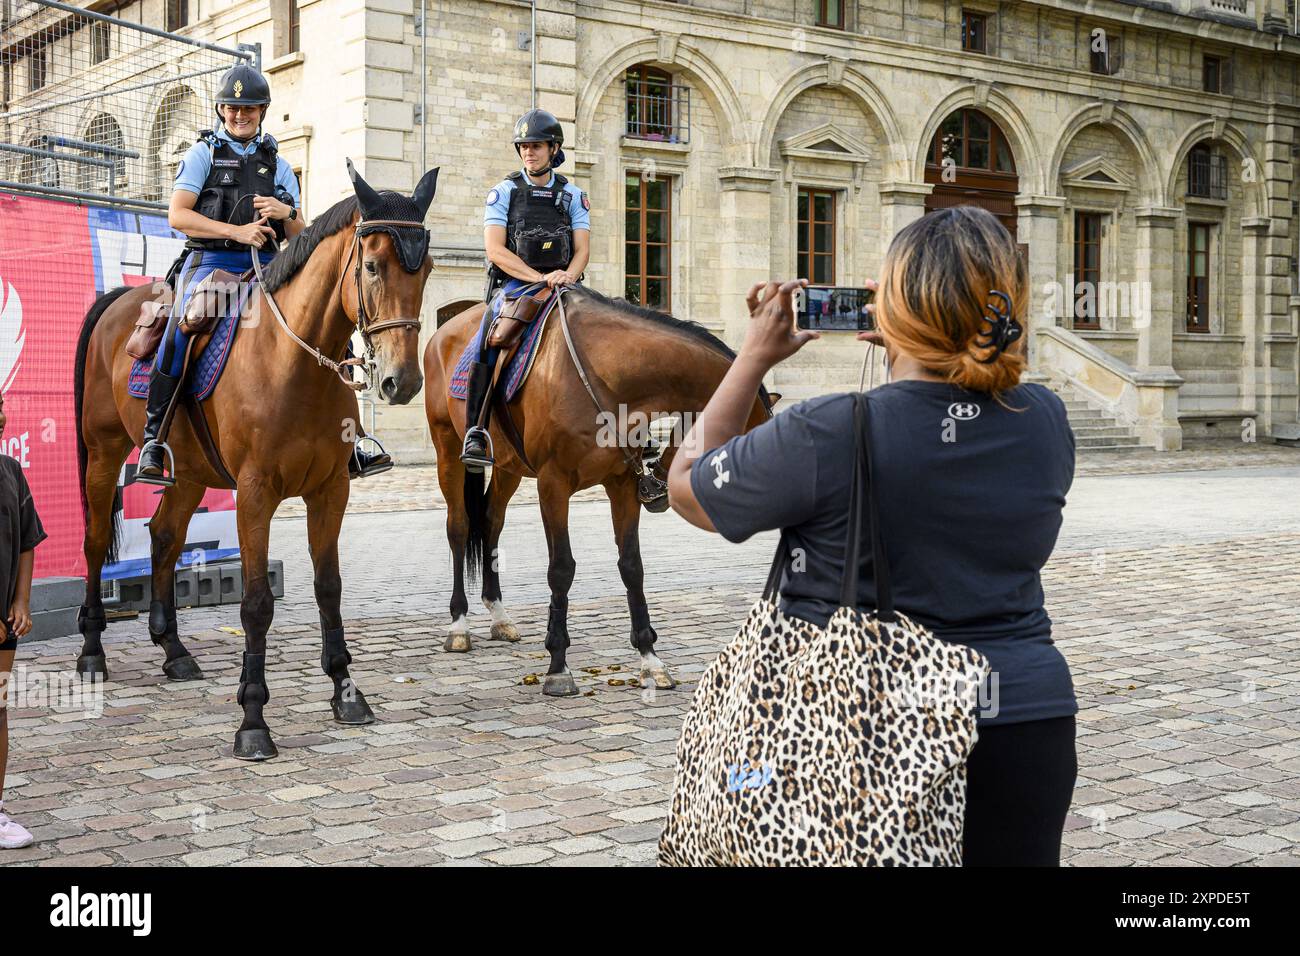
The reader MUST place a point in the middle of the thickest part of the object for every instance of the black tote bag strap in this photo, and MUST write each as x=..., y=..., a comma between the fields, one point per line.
x=863, y=492
x=777, y=571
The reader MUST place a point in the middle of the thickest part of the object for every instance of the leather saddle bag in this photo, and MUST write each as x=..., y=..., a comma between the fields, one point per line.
x=212, y=299
x=149, y=328
x=516, y=315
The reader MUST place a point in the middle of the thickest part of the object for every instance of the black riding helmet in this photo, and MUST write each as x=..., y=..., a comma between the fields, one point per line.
x=539, y=126
x=242, y=85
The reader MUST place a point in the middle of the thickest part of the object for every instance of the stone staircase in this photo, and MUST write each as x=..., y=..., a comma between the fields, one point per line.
x=1094, y=429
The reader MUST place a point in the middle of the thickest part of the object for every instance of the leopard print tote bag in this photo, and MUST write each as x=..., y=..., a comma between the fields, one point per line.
x=836, y=746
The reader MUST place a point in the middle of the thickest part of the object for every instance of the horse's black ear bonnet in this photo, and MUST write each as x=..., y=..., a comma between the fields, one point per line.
x=412, y=242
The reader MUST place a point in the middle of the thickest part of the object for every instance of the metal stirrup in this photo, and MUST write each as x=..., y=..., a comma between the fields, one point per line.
x=167, y=450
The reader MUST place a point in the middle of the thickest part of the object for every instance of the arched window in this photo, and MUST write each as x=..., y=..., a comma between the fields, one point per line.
x=970, y=163
x=39, y=170
x=104, y=131
x=450, y=311
x=175, y=128
x=657, y=106
x=968, y=139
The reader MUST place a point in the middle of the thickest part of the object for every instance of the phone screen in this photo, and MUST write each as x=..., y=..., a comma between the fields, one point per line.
x=835, y=309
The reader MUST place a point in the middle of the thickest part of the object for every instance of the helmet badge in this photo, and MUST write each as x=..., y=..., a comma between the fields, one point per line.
x=239, y=88
x=523, y=128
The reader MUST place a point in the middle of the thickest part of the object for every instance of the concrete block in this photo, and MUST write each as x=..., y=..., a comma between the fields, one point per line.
x=208, y=579
x=59, y=622
x=134, y=593
x=50, y=594
x=275, y=576
x=187, y=587
x=230, y=586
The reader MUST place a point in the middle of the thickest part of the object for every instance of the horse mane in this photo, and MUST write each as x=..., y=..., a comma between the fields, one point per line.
x=685, y=326
x=294, y=256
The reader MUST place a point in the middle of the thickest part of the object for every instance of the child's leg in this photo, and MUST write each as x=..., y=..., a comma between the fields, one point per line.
x=7, y=648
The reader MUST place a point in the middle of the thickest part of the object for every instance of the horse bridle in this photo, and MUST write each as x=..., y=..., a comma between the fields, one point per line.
x=343, y=368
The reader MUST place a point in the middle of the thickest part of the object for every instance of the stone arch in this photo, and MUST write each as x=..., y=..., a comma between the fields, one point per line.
x=169, y=135
x=851, y=82
x=711, y=81
x=103, y=130
x=1024, y=148
x=1119, y=122
x=1216, y=131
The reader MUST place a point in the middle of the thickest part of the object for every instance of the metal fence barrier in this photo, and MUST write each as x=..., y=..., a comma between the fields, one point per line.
x=96, y=108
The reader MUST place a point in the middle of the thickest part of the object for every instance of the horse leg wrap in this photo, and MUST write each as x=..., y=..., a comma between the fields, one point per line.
x=253, y=679
x=91, y=620
x=557, y=627
x=162, y=622
x=334, y=656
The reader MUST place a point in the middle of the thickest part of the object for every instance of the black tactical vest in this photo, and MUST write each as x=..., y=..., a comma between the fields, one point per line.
x=538, y=228
x=227, y=194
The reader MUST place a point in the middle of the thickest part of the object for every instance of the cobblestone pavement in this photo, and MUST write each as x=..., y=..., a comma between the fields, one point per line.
x=416, y=486
x=1175, y=597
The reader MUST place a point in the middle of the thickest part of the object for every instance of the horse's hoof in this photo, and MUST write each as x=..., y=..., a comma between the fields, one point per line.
x=659, y=676
x=183, y=668
x=560, y=685
x=254, y=744
x=354, y=712
x=458, y=642
x=93, y=666
x=505, y=631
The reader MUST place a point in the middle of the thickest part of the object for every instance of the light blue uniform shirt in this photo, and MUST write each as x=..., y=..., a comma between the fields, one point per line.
x=196, y=165
x=498, y=204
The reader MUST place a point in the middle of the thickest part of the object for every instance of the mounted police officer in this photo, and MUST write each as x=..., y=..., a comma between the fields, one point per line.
x=536, y=228
x=232, y=191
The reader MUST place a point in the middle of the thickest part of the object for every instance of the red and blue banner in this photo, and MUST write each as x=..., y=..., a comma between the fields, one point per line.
x=56, y=258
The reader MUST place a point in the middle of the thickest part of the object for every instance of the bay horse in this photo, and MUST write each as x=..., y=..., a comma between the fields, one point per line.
x=281, y=420
x=651, y=364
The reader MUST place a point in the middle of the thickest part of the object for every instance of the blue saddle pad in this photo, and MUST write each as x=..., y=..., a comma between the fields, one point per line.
x=205, y=368
x=520, y=363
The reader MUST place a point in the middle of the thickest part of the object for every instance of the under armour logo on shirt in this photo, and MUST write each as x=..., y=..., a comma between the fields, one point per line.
x=722, y=477
x=964, y=411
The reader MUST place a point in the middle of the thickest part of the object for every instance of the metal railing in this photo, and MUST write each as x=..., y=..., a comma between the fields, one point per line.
x=93, y=107
x=658, y=111
x=1207, y=175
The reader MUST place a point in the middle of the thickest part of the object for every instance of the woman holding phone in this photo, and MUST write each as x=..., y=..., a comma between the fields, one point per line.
x=971, y=470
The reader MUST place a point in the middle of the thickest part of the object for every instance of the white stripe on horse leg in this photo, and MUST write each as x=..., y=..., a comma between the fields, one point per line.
x=503, y=628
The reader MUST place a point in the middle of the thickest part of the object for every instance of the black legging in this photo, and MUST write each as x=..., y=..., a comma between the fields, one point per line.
x=1019, y=781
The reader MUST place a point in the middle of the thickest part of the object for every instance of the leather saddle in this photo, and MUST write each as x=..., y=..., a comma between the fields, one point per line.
x=214, y=296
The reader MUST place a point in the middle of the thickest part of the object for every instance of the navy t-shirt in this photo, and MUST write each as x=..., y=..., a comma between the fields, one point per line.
x=970, y=496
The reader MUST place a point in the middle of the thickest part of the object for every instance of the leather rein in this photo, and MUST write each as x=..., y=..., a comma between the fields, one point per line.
x=636, y=465
x=343, y=369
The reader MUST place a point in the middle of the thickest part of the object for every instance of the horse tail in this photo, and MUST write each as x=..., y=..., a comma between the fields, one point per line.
x=476, y=512
x=79, y=390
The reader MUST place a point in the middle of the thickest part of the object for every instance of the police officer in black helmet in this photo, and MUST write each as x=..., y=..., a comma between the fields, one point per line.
x=536, y=227
x=233, y=191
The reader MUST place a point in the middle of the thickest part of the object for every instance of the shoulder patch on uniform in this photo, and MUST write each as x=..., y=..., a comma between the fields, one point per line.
x=492, y=197
x=586, y=203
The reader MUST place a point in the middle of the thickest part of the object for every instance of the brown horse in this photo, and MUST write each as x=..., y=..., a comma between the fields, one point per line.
x=281, y=419
x=652, y=365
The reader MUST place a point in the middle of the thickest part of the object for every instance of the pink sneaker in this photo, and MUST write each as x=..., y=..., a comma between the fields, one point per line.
x=13, y=835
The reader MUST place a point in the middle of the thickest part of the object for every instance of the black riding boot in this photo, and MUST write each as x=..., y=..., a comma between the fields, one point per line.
x=476, y=452
x=364, y=463
x=162, y=388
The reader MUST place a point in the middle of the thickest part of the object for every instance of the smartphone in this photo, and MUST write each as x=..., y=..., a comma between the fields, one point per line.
x=835, y=308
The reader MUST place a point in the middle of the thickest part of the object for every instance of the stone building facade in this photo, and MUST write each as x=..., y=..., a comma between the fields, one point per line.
x=1147, y=150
